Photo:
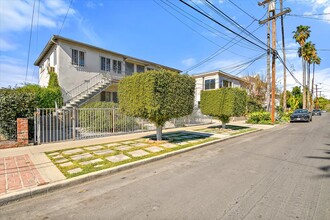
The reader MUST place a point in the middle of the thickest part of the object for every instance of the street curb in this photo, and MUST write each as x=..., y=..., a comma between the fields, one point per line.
x=45, y=189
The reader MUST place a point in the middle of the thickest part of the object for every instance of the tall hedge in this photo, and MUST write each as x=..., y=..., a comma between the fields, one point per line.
x=13, y=105
x=21, y=102
x=157, y=95
x=223, y=103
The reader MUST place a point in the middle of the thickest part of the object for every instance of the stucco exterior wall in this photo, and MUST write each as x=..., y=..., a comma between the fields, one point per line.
x=50, y=60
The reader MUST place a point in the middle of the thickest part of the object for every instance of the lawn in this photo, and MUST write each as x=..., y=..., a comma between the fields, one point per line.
x=81, y=160
x=229, y=130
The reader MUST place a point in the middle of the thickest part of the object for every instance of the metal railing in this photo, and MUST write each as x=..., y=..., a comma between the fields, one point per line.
x=89, y=84
x=53, y=125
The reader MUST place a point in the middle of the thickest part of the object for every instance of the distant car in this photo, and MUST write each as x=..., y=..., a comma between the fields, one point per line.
x=301, y=115
x=317, y=112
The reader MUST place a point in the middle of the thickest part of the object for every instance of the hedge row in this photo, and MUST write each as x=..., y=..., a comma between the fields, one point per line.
x=157, y=95
x=21, y=102
x=224, y=102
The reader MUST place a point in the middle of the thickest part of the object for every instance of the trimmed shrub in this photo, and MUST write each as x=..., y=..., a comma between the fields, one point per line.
x=259, y=118
x=223, y=103
x=157, y=95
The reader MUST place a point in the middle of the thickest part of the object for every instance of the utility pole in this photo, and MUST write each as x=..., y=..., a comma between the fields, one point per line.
x=316, y=104
x=271, y=8
x=268, y=63
x=284, y=58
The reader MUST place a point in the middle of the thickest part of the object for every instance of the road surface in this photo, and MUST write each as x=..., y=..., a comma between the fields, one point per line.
x=282, y=173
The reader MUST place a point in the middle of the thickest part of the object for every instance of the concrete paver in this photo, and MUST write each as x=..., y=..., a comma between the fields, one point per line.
x=118, y=158
x=103, y=152
x=46, y=172
x=81, y=156
x=138, y=153
x=76, y=170
x=154, y=149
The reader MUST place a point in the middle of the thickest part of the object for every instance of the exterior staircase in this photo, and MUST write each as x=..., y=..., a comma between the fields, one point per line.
x=85, y=91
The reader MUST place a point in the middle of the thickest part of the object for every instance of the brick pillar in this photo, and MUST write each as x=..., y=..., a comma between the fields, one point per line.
x=22, y=131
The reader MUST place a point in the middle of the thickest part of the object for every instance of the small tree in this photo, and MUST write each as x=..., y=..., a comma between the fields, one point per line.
x=157, y=95
x=224, y=103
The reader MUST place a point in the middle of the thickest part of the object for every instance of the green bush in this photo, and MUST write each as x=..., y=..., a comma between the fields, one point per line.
x=253, y=106
x=157, y=95
x=259, y=118
x=240, y=102
x=223, y=103
x=13, y=105
x=21, y=102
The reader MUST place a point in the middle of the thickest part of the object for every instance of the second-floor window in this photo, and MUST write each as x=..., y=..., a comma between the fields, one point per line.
x=209, y=84
x=105, y=64
x=116, y=66
x=78, y=57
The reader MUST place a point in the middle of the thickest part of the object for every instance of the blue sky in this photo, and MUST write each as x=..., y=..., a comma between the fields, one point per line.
x=159, y=31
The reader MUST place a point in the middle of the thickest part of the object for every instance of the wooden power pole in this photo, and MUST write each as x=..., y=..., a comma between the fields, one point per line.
x=284, y=58
x=271, y=8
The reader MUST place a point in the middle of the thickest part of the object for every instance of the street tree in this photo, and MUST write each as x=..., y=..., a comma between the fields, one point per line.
x=224, y=103
x=157, y=95
x=301, y=34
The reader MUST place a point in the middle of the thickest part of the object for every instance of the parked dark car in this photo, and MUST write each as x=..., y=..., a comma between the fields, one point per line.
x=301, y=115
x=317, y=112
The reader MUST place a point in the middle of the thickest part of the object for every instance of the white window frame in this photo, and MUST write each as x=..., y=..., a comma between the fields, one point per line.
x=79, y=60
x=107, y=64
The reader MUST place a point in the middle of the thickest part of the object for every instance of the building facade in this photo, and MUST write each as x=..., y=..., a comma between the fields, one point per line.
x=79, y=66
x=215, y=80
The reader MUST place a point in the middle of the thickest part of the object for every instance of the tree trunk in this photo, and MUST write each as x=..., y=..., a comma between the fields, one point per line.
x=313, y=85
x=159, y=133
x=304, y=80
x=223, y=125
x=308, y=86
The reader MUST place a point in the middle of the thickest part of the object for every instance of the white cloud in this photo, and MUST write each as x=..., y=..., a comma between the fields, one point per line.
x=6, y=45
x=189, y=62
x=17, y=15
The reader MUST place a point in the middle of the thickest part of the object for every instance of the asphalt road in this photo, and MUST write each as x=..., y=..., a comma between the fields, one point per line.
x=282, y=173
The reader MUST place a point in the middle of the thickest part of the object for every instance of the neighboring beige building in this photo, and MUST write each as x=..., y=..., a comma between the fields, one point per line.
x=85, y=72
x=216, y=80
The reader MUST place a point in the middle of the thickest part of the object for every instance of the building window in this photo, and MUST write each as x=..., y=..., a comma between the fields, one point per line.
x=105, y=64
x=209, y=84
x=78, y=58
x=114, y=97
x=129, y=68
x=139, y=68
x=109, y=97
x=227, y=83
x=116, y=66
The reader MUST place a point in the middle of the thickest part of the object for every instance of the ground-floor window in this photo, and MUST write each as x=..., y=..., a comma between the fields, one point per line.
x=109, y=97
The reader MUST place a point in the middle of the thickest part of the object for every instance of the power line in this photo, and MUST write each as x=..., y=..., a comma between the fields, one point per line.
x=67, y=12
x=199, y=22
x=234, y=22
x=243, y=11
x=28, y=57
x=194, y=30
x=228, y=29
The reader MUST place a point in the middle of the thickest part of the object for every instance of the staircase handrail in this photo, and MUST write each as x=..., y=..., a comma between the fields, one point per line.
x=84, y=87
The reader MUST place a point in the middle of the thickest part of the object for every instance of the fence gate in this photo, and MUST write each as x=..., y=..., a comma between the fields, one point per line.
x=54, y=125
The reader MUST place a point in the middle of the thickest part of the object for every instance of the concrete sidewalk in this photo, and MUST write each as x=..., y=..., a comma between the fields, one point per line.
x=27, y=169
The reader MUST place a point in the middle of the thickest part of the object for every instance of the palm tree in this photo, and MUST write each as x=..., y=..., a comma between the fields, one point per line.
x=307, y=52
x=300, y=35
x=315, y=60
